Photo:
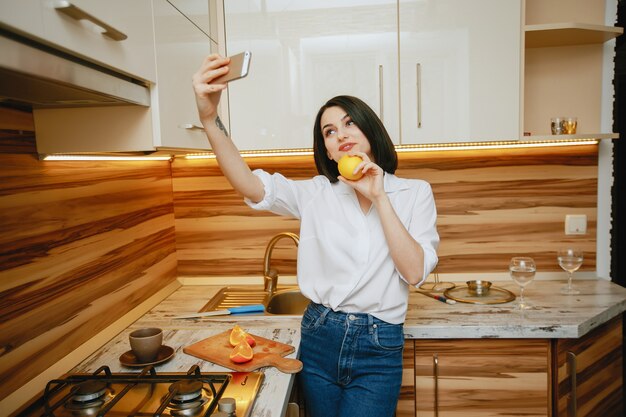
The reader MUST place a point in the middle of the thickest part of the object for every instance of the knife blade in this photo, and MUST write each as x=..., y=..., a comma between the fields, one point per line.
x=253, y=308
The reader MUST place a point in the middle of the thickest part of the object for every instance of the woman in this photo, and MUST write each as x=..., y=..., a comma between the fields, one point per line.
x=362, y=243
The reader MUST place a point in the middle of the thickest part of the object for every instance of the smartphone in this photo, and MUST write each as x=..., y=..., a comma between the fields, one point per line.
x=238, y=68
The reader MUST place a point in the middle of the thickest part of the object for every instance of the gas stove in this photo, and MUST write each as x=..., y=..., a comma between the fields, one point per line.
x=148, y=393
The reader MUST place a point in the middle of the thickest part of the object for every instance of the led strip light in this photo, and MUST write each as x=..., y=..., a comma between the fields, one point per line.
x=419, y=148
x=77, y=157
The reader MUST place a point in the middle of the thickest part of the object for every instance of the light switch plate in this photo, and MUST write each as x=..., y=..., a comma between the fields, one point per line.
x=575, y=224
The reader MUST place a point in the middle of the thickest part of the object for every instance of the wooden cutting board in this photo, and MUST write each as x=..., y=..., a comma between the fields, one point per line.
x=267, y=352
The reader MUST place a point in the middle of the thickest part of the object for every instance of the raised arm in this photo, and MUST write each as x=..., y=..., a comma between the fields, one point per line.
x=230, y=161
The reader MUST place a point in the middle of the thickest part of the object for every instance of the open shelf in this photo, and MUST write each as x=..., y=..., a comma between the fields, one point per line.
x=565, y=34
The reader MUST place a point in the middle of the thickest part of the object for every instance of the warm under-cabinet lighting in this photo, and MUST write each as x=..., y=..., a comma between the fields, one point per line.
x=421, y=148
x=105, y=158
x=495, y=145
x=304, y=152
x=253, y=154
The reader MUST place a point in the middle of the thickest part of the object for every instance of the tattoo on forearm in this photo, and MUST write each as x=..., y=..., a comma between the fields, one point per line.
x=221, y=126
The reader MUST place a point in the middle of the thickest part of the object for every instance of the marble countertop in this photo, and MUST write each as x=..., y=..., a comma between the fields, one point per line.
x=553, y=316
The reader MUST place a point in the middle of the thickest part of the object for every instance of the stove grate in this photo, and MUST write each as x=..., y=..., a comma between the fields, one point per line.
x=148, y=375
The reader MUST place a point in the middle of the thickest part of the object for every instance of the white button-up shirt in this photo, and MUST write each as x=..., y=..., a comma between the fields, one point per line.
x=343, y=257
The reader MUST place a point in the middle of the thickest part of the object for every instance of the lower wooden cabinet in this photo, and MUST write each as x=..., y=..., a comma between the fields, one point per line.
x=527, y=377
x=406, y=402
x=481, y=377
x=588, y=379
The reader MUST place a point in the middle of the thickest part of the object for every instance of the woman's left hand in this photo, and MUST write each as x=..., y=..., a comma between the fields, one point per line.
x=370, y=184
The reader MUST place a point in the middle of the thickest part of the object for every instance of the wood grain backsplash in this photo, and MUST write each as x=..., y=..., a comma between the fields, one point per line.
x=81, y=244
x=492, y=205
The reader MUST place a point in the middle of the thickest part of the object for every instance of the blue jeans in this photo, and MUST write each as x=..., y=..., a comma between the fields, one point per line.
x=352, y=364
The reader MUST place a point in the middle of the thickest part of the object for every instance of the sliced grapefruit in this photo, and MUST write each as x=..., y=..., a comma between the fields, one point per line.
x=238, y=334
x=242, y=353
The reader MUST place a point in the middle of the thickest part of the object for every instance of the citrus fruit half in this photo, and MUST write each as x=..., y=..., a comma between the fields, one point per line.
x=242, y=353
x=346, y=166
x=238, y=334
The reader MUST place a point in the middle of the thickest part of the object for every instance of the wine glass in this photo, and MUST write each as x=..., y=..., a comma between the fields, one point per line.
x=570, y=260
x=522, y=271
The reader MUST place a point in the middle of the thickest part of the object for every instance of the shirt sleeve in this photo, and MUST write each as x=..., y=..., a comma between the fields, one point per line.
x=282, y=195
x=423, y=228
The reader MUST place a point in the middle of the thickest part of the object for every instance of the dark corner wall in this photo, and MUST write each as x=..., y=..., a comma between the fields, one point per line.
x=618, y=225
x=618, y=209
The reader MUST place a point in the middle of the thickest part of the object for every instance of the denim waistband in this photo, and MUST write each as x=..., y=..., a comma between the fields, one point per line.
x=357, y=319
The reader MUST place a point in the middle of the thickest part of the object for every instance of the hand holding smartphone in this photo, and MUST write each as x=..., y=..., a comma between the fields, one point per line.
x=238, y=68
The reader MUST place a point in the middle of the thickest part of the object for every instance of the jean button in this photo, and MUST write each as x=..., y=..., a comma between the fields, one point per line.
x=352, y=317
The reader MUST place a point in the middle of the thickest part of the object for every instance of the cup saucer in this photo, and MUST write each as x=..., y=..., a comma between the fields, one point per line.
x=129, y=359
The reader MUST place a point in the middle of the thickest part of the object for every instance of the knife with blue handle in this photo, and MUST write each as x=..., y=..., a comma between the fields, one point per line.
x=254, y=308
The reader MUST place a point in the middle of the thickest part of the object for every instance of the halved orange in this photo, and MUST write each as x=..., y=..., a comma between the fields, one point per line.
x=242, y=353
x=238, y=334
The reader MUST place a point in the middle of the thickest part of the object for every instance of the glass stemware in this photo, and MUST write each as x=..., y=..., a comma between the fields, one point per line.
x=570, y=260
x=522, y=271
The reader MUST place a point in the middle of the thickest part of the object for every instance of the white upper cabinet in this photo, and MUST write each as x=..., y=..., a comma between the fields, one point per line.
x=460, y=67
x=115, y=34
x=449, y=72
x=24, y=17
x=197, y=11
x=118, y=33
x=170, y=122
x=304, y=53
x=181, y=46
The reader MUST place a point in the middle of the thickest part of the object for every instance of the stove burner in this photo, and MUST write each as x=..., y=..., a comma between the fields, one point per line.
x=88, y=398
x=186, y=390
x=185, y=409
x=188, y=399
x=89, y=391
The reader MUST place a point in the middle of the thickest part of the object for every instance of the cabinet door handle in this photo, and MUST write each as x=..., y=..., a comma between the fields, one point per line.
x=418, y=74
x=77, y=13
x=436, y=377
x=190, y=126
x=380, y=93
x=572, y=408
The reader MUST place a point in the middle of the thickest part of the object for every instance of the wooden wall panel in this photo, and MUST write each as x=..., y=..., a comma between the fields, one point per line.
x=217, y=234
x=81, y=244
x=492, y=205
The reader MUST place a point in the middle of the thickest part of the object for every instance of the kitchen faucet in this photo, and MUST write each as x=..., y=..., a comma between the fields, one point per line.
x=270, y=276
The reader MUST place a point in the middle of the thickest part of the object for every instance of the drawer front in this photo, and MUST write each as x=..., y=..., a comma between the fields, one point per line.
x=481, y=377
x=80, y=32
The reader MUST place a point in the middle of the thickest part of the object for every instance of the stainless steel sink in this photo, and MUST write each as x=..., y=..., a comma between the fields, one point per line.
x=285, y=301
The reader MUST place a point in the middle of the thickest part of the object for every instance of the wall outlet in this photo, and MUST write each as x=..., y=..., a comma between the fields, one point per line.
x=575, y=224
